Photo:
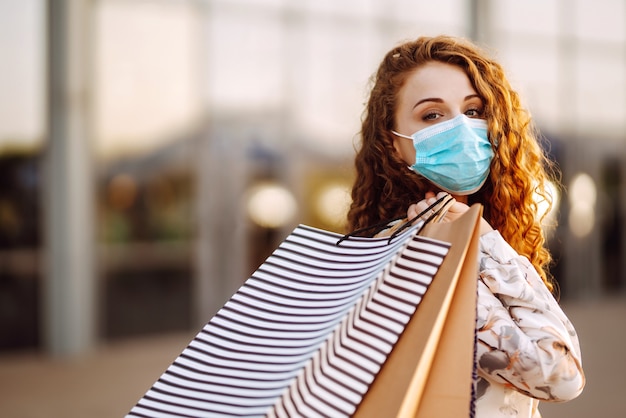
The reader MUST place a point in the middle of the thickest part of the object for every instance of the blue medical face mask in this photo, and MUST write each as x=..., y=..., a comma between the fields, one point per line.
x=455, y=155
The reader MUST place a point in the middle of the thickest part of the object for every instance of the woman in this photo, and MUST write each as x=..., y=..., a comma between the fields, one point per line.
x=442, y=117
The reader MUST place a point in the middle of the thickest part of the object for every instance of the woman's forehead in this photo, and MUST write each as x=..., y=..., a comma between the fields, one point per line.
x=437, y=80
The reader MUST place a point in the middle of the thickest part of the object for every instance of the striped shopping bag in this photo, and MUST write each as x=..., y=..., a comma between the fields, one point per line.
x=367, y=327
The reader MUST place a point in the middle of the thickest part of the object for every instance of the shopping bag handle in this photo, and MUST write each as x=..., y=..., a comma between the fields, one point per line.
x=436, y=211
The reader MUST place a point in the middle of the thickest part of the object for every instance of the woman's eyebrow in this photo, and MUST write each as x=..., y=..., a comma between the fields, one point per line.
x=438, y=100
x=429, y=99
x=472, y=96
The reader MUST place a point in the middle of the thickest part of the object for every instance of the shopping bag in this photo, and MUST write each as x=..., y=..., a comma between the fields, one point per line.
x=430, y=371
x=317, y=326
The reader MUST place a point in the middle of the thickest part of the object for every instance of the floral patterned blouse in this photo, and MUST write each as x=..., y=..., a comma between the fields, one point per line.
x=527, y=349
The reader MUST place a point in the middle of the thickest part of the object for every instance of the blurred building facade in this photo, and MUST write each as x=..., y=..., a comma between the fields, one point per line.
x=173, y=144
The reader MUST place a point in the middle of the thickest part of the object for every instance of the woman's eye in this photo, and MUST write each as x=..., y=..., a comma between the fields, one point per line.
x=431, y=116
x=473, y=113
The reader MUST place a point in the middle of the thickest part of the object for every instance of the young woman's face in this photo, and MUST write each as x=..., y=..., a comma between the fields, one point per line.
x=433, y=93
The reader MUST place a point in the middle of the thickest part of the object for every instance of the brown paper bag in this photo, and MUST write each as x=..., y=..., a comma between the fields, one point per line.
x=429, y=372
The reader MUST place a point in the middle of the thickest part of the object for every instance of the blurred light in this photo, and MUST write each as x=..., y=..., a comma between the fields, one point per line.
x=582, y=188
x=581, y=219
x=582, y=197
x=270, y=205
x=332, y=203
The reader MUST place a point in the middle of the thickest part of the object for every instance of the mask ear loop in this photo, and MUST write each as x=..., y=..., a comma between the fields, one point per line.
x=444, y=201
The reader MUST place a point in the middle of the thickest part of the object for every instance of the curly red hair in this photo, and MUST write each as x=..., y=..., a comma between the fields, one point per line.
x=384, y=187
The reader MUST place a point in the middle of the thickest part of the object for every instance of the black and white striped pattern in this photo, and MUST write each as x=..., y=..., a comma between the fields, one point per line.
x=305, y=335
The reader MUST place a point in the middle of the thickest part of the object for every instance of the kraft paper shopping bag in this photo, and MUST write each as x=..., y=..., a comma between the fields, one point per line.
x=429, y=372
